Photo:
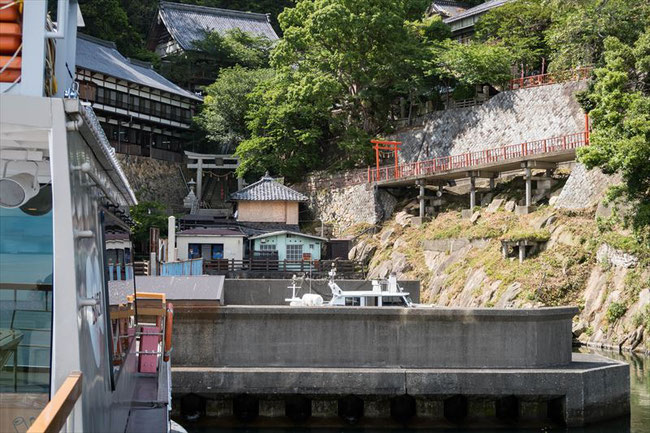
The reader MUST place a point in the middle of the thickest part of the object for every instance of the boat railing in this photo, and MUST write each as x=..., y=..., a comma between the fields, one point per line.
x=57, y=413
x=146, y=319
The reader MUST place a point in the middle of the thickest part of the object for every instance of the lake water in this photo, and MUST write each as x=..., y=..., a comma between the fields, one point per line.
x=639, y=421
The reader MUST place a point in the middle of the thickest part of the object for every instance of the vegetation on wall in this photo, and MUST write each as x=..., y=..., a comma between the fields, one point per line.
x=619, y=105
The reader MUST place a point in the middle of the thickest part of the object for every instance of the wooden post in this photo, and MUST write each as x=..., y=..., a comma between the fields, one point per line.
x=587, y=129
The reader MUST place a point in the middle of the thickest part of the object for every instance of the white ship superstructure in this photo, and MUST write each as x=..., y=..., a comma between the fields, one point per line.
x=60, y=187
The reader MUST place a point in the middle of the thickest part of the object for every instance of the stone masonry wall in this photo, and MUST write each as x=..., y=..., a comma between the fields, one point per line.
x=345, y=207
x=508, y=118
x=155, y=180
x=584, y=188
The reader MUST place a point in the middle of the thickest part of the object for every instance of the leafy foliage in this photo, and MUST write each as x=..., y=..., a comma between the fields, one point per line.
x=339, y=69
x=619, y=104
x=226, y=103
x=288, y=121
x=579, y=28
x=145, y=215
x=519, y=26
x=215, y=52
x=109, y=20
x=473, y=63
x=615, y=311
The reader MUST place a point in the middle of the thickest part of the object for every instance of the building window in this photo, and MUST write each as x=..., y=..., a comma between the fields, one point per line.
x=194, y=251
x=217, y=251
x=267, y=247
x=294, y=252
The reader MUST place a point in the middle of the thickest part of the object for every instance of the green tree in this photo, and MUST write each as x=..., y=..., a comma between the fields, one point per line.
x=225, y=105
x=473, y=63
x=579, y=28
x=289, y=121
x=214, y=52
x=520, y=27
x=145, y=215
x=340, y=69
x=619, y=105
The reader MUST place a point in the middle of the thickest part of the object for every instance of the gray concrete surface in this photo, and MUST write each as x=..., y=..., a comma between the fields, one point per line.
x=389, y=337
x=590, y=388
x=207, y=288
x=274, y=292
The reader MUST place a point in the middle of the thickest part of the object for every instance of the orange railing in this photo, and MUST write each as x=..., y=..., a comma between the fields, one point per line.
x=550, y=78
x=55, y=415
x=472, y=160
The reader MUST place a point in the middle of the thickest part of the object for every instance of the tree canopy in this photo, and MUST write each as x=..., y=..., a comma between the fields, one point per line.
x=619, y=105
x=226, y=103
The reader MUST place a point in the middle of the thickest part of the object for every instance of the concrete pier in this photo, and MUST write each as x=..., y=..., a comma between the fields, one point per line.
x=416, y=366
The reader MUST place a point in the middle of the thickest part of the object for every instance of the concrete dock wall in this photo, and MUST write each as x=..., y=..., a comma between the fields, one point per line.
x=274, y=292
x=389, y=337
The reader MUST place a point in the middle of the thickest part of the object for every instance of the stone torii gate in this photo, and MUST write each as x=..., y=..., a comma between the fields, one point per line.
x=201, y=161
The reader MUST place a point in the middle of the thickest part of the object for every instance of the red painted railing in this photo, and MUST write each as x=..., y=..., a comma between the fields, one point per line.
x=550, y=78
x=474, y=160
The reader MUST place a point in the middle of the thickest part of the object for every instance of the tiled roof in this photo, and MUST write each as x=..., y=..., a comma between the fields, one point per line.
x=266, y=189
x=188, y=23
x=447, y=8
x=210, y=231
x=102, y=56
x=476, y=10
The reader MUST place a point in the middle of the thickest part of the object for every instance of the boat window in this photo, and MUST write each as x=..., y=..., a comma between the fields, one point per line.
x=26, y=271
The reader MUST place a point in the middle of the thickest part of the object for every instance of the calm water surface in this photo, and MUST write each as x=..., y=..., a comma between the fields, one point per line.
x=639, y=421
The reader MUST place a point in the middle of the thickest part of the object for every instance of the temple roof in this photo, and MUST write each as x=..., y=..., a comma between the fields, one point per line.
x=267, y=189
x=189, y=23
x=476, y=10
x=447, y=8
x=102, y=56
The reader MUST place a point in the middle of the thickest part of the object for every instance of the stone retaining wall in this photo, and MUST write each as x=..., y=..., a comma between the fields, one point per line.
x=508, y=118
x=155, y=180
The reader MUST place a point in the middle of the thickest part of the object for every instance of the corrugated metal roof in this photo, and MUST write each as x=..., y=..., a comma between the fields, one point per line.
x=184, y=288
x=188, y=23
x=476, y=10
x=102, y=56
x=267, y=189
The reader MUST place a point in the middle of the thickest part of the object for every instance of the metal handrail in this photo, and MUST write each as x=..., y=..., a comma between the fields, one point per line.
x=550, y=78
x=54, y=416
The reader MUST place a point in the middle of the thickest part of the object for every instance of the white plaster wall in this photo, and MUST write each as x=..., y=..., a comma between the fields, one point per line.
x=233, y=246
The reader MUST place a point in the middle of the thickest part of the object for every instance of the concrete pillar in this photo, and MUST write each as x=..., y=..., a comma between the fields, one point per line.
x=549, y=172
x=522, y=252
x=422, y=203
x=529, y=187
x=492, y=183
x=153, y=264
x=171, y=239
x=472, y=192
